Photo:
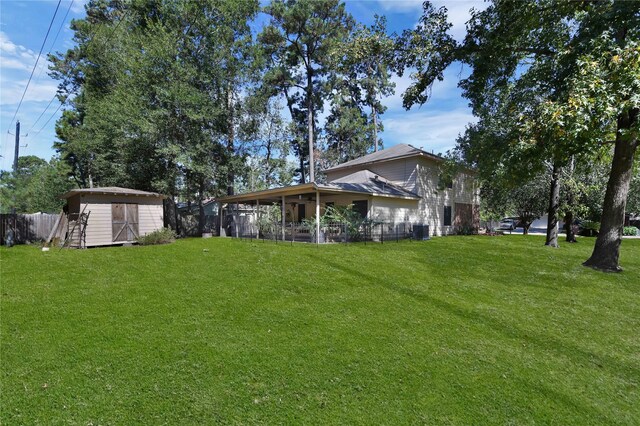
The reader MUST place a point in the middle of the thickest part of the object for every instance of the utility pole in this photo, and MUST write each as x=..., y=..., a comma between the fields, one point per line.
x=11, y=232
x=15, y=158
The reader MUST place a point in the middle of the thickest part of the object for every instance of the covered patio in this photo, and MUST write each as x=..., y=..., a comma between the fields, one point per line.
x=298, y=209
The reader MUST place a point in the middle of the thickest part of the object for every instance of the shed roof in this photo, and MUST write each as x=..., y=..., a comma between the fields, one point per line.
x=397, y=151
x=110, y=190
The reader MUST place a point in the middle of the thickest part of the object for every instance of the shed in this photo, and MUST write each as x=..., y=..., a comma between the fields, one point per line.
x=111, y=215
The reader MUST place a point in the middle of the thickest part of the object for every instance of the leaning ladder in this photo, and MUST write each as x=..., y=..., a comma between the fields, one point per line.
x=82, y=221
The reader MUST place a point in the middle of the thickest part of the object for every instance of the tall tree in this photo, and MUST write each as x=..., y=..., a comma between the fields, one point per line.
x=155, y=108
x=298, y=41
x=361, y=78
x=561, y=74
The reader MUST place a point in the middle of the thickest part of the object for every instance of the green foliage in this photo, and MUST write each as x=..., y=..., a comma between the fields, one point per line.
x=630, y=231
x=633, y=200
x=590, y=228
x=356, y=225
x=297, y=46
x=159, y=236
x=462, y=330
x=37, y=186
x=153, y=90
x=428, y=49
x=361, y=76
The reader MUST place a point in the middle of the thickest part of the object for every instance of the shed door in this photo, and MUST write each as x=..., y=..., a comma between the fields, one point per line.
x=124, y=221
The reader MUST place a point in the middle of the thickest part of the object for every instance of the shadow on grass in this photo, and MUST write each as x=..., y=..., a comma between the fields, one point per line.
x=573, y=352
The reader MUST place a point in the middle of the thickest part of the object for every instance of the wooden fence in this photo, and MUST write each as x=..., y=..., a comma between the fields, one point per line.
x=28, y=228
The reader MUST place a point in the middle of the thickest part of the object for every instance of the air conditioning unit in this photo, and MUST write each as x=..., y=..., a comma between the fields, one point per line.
x=420, y=232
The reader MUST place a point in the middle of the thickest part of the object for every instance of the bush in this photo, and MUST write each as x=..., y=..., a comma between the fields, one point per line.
x=630, y=231
x=590, y=228
x=160, y=236
x=466, y=230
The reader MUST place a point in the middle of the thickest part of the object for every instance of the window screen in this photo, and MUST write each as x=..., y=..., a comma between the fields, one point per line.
x=447, y=215
x=361, y=206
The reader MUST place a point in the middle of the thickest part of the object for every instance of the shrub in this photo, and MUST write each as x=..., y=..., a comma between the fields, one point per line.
x=590, y=228
x=160, y=236
x=630, y=231
x=466, y=230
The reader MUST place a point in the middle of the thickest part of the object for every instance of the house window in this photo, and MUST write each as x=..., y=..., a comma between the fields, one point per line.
x=361, y=207
x=447, y=215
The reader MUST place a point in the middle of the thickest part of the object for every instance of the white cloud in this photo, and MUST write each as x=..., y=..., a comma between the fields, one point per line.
x=433, y=131
x=15, y=56
x=400, y=6
x=14, y=64
x=78, y=7
x=458, y=13
x=38, y=91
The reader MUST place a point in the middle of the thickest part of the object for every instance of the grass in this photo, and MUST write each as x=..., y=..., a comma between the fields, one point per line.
x=456, y=330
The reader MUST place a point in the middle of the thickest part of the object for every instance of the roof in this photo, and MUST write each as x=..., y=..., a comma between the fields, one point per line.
x=368, y=182
x=393, y=153
x=361, y=182
x=110, y=190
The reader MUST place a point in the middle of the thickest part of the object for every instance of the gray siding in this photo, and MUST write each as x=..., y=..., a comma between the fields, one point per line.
x=419, y=175
x=99, y=229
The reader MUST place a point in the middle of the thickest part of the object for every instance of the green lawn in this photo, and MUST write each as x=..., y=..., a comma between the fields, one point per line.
x=456, y=330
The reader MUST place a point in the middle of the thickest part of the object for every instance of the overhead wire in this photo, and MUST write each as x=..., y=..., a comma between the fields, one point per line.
x=42, y=68
x=75, y=64
x=36, y=64
x=53, y=43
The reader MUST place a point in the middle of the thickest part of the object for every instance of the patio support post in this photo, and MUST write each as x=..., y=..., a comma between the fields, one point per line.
x=283, y=212
x=257, y=219
x=235, y=220
x=317, y=217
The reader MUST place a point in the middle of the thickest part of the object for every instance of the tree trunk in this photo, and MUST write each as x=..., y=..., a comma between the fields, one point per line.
x=201, y=217
x=176, y=216
x=375, y=128
x=302, y=175
x=554, y=204
x=607, y=249
x=568, y=227
x=230, y=139
x=312, y=176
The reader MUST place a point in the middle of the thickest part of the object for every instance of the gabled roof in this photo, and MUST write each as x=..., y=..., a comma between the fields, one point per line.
x=110, y=190
x=395, y=152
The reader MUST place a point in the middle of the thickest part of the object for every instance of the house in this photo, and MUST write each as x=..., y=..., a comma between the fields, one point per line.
x=210, y=207
x=110, y=215
x=398, y=186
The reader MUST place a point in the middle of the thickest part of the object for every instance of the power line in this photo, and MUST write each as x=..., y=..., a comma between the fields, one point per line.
x=74, y=65
x=36, y=64
x=38, y=78
x=55, y=38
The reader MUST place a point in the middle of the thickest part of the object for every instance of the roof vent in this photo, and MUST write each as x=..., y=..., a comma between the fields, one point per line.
x=375, y=177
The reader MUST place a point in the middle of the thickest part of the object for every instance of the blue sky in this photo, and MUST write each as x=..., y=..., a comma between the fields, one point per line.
x=23, y=25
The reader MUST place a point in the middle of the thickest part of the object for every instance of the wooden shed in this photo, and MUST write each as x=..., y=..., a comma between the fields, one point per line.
x=111, y=215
